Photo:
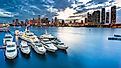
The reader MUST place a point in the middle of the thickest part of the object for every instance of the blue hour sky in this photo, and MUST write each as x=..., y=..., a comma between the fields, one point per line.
x=22, y=9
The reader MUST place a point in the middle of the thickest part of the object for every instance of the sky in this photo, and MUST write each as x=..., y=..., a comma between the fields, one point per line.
x=22, y=9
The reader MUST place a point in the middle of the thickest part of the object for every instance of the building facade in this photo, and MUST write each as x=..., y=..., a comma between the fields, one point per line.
x=103, y=16
x=113, y=14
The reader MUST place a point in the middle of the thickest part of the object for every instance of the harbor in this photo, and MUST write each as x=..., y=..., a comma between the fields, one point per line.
x=60, y=33
x=84, y=46
x=40, y=43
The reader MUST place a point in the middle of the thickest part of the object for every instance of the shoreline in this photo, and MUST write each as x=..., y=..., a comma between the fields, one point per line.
x=95, y=26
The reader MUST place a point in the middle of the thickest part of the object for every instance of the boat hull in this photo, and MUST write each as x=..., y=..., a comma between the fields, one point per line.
x=12, y=56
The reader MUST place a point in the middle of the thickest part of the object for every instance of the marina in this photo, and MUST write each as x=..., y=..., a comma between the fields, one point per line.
x=82, y=48
x=28, y=39
x=60, y=33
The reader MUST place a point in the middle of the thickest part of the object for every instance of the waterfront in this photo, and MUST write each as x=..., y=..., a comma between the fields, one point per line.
x=88, y=48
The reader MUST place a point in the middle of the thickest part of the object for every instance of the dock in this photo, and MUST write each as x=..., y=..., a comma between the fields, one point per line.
x=2, y=47
x=117, y=35
x=114, y=38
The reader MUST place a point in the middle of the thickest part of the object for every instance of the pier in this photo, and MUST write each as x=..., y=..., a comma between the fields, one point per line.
x=114, y=38
x=2, y=47
x=117, y=35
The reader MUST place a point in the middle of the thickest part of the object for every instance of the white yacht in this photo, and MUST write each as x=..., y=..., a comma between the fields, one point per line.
x=48, y=45
x=7, y=38
x=26, y=35
x=47, y=35
x=11, y=50
x=59, y=44
x=34, y=41
x=24, y=47
x=54, y=40
x=38, y=47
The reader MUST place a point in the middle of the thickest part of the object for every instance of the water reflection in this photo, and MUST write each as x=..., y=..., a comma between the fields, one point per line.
x=38, y=56
x=52, y=54
x=25, y=55
x=85, y=45
x=11, y=63
x=62, y=51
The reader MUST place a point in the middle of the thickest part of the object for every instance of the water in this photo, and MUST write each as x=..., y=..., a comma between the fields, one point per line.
x=88, y=48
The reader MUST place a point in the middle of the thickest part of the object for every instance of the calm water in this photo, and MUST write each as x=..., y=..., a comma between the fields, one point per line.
x=88, y=48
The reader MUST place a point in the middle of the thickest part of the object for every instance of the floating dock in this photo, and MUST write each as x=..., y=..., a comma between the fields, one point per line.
x=117, y=35
x=114, y=38
x=2, y=47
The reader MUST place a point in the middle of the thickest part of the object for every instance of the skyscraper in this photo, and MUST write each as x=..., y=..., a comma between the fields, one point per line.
x=86, y=20
x=38, y=20
x=96, y=16
x=103, y=16
x=113, y=14
x=89, y=18
x=107, y=17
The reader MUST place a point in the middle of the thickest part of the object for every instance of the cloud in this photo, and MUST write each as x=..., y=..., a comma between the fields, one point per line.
x=52, y=10
x=4, y=13
x=118, y=3
x=35, y=7
x=66, y=13
x=82, y=6
x=52, y=7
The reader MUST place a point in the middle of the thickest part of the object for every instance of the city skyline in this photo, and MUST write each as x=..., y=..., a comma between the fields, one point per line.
x=10, y=10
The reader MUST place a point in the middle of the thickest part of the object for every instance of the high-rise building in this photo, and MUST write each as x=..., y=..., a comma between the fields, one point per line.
x=113, y=14
x=103, y=16
x=96, y=17
x=107, y=17
x=81, y=21
x=38, y=20
x=89, y=18
x=86, y=20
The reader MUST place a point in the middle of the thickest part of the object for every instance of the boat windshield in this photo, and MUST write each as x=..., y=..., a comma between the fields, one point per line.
x=7, y=40
x=47, y=42
x=51, y=38
x=8, y=37
x=30, y=35
x=28, y=31
x=39, y=45
x=25, y=46
x=11, y=46
x=58, y=40
x=36, y=42
x=61, y=43
x=11, y=50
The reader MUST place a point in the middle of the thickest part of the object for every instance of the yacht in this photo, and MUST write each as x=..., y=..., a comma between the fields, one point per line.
x=11, y=50
x=24, y=47
x=59, y=44
x=38, y=47
x=27, y=35
x=47, y=35
x=33, y=41
x=7, y=38
x=48, y=45
x=54, y=40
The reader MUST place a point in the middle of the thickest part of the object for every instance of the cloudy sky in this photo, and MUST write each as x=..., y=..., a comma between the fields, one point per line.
x=22, y=9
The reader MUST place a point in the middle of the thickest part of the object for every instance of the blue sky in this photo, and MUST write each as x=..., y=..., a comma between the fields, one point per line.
x=22, y=9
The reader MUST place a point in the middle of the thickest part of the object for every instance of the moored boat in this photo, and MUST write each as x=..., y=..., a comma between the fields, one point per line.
x=24, y=47
x=11, y=50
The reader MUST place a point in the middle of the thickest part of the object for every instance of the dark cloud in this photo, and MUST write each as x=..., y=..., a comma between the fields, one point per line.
x=33, y=8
